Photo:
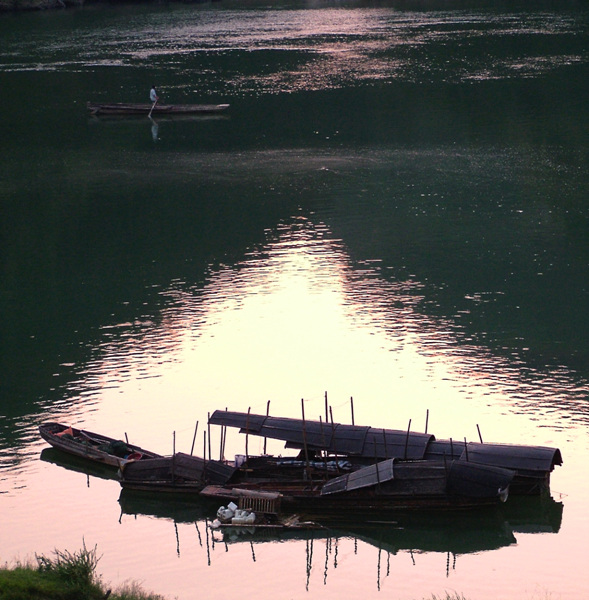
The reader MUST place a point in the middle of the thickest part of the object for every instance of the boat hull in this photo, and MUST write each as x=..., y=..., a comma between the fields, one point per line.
x=92, y=446
x=388, y=485
x=121, y=108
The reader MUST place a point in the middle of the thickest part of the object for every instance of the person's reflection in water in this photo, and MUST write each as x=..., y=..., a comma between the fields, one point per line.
x=154, y=130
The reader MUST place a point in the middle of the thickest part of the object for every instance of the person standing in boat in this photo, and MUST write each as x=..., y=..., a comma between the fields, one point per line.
x=153, y=94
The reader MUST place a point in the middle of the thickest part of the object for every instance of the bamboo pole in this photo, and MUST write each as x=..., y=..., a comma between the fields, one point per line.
x=426, y=419
x=267, y=413
x=224, y=436
x=324, y=451
x=204, y=448
x=480, y=436
x=305, y=440
x=376, y=466
x=221, y=442
x=407, y=438
x=333, y=440
x=352, y=407
x=173, y=457
x=194, y=439
x=209, y=433
x=247, y=433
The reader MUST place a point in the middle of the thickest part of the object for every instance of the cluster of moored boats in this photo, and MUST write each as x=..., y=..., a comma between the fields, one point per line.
x=335, y=468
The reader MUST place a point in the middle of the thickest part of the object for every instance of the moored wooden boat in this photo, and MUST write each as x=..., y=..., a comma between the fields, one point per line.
x=126, y=108
x=387, y=485
x=361, y=445
x=177, y=474
x=92, y=446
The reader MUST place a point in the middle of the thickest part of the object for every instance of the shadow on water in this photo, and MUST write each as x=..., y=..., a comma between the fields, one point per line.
x=454, y=533
x=78, y=465
x=420, y=532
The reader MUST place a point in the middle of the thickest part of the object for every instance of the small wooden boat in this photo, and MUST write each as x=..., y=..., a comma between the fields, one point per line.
x=92, y=446
x=122, y=108
x=177, y=474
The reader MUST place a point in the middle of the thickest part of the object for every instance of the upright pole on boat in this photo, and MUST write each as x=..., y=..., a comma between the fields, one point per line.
x=224, y=436
x=376, y=465
x=221, y=442
x=324, y=451
x=333, y=439
x=326, y=412
x=193, y=439
x=466, y=449
x=209, y=433
x=305, y=439
x=384, y=439
x=352, y=407
x=407, y=438
x=480, y=436
x=173, y=457
x=426, y=419
x=247, y=433
x=267, y=413
x=204, y=448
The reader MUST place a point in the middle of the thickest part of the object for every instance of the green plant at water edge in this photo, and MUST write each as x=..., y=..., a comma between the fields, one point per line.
x=76, y=570
x=67, y=576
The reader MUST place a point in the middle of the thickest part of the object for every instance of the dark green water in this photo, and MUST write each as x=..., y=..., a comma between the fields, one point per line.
x=395, y=207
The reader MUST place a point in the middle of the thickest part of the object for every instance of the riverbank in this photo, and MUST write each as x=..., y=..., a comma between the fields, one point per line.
x=29, y=5
x=38, y=5
x=67, y=575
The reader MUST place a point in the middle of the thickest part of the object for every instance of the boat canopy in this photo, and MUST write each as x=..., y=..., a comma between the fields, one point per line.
x=353, y=440
x=362, y=478
x=509, y=456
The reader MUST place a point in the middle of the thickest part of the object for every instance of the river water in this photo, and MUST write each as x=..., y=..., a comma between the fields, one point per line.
x=394, y=210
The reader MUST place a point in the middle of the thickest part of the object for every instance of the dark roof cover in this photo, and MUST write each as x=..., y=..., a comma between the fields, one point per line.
x=368, y=442
x=362, y=478
x=520, y=458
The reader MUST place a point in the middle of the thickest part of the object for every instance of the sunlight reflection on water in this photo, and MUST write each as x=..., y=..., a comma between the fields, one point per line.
x=324, y=299
x=297, y=314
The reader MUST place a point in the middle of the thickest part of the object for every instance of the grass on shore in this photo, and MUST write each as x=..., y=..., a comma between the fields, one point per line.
x=67, y=576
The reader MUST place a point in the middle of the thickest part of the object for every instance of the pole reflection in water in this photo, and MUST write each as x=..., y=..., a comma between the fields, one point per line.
x=420, y=533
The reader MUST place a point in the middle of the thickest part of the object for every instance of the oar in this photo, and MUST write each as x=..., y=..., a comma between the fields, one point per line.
x=149, y=115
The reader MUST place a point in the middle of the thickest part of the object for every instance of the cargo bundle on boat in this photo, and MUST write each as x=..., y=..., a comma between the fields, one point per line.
x=93, y=446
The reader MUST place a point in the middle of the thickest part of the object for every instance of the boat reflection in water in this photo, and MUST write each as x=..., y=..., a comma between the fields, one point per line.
x=78, y=464
x=416, y=532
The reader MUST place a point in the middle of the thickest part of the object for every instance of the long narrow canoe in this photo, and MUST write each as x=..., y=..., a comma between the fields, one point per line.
x=121, y=108
x=92, y=446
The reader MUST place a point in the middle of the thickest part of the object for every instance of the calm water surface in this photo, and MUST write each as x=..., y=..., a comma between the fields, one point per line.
x=394, y=209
